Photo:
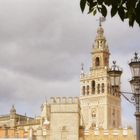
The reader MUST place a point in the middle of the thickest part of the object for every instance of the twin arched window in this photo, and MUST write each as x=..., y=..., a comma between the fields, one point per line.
x=100, y=88
x=85, y=90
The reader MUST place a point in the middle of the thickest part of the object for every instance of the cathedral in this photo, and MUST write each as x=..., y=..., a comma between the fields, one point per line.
x=94, y=115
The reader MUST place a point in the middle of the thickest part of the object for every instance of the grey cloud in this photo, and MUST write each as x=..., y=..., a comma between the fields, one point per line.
x=20, y=89
x=37, y=33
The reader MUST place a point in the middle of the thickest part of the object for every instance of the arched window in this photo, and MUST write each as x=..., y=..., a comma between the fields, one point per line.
x=98, y=88
x=88, y=90
x=93, y=87
x=103, y=87
x=97, y=61
x=93, y=115
x=83, y=90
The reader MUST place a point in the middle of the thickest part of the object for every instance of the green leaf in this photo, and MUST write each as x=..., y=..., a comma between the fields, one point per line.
x=100, y=2
x=91, y=6
x=83, y=4
x=104, y=11
x=138, y=20
x=113, y=11
x=94, y=12
x=90, y=10
x=126, y=9
x=121, y=13
x=114, y=3
x=107, y=2
x=131, y=21
x=137, y=13
x=123, y=1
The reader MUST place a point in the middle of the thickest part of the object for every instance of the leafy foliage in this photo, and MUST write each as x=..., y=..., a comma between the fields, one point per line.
x=126, y=9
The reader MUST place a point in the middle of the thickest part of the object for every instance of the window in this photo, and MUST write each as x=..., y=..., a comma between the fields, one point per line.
x=97, y=61
x=103, y=87
x=83, y=90
x=93, y=115
x=87, y=90
x=93, y=87
x=98, y=88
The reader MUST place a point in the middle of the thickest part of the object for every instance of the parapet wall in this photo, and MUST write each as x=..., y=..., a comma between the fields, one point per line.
x=64, y=100
x=64, y=105
x=109, y=134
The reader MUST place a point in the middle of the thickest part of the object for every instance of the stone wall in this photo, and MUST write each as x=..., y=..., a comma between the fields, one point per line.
x=11, y=132
x=111, y=134
x=64, y=118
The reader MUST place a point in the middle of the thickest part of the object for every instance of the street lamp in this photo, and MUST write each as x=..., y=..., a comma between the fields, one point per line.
x=135, y=84
x=115, y=74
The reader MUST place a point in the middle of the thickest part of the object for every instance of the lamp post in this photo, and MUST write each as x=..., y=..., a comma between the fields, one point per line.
x=115, y=74
x=135, y=84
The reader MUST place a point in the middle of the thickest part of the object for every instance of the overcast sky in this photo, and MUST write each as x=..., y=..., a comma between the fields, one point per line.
x=42, y=46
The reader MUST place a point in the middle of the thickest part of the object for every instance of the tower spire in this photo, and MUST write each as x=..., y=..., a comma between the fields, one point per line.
x=100, y=51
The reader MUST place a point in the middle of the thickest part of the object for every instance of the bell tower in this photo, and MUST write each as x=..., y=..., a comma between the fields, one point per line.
x=100, y=51
x=99, y=106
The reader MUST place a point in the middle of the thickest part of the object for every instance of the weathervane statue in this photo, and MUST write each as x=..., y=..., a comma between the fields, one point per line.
x=101, y=19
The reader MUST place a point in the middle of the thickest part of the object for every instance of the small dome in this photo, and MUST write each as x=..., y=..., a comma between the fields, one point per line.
x=13, y=110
